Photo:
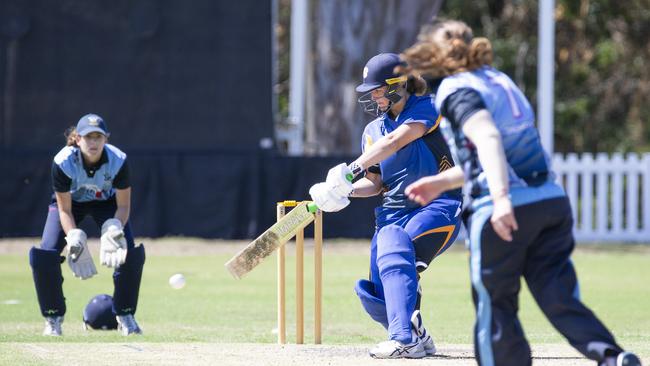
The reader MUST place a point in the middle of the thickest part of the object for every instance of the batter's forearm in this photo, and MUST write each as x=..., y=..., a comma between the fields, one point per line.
x=379, y=151
x=390, y=144
x=365, y=188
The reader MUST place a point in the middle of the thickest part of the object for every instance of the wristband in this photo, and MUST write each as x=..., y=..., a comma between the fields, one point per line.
x=355, y=168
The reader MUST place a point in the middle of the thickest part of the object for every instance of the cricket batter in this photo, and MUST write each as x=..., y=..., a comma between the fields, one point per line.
x=493, y=130
x=402, y=144
x=89, y=178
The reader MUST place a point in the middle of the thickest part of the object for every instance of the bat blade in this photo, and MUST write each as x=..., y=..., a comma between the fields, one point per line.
x=275, y=236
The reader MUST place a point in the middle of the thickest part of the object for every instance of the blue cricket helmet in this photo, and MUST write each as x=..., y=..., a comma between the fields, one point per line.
x=98, y=314
x=380, y=71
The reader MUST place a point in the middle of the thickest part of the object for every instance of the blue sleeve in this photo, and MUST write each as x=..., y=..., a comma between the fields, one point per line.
x=424, y=112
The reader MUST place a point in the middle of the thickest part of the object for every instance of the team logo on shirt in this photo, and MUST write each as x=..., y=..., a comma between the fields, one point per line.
x=444, y=164
x=108, y=182
x=93, y=189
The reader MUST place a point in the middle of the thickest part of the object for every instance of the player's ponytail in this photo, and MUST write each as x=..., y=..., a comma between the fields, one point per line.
x=71, y=136
x=416, y=85
x=480, y=53
x=423, y=58
x=445, y=48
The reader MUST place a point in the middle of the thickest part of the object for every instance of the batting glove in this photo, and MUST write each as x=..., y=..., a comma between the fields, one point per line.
x=327, y=198
x=340, y=179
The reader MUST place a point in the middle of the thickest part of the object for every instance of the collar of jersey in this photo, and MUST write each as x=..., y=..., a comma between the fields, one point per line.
x=409, y=102
x=102, y=160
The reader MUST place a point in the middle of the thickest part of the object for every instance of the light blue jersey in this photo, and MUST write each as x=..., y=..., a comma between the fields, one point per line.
x=86, y=187
x=513, y=116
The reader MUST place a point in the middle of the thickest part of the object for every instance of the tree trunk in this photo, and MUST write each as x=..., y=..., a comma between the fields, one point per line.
x=345, y=35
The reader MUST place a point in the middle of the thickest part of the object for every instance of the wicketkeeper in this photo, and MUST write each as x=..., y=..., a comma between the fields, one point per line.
x=89, y=178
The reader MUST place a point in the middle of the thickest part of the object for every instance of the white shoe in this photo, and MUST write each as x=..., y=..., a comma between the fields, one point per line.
x=425, y=338
x=395, y=349
x=127, y=325
x=53, y=326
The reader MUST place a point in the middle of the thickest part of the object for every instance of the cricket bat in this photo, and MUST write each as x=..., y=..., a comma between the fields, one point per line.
x=275, y=236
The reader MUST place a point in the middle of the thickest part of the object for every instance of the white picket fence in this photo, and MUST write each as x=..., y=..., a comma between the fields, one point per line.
x=610, y=195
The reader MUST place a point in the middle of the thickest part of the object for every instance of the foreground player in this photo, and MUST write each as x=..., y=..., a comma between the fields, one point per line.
x=401, y=145
x=505, y=166
x=89, y=177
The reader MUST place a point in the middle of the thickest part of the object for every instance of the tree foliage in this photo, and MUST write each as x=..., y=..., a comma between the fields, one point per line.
x=602, y=80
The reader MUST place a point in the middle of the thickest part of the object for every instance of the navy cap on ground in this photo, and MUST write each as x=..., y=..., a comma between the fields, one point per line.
x=91, y=123
x=377, y=70
x=98, y=314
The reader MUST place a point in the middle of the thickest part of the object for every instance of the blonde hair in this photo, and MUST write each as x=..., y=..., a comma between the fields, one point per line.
x=447, y=47
x=71, y=136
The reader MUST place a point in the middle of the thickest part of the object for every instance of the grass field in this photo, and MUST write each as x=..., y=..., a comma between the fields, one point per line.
x=215, y=309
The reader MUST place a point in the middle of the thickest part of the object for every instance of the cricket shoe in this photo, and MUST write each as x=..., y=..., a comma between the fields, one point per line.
x=627, y=359
x=127, y=325
x=395, y=349
x=425, y=338
x=53, y=326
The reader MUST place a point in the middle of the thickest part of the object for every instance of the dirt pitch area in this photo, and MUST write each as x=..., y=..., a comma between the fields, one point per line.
x=111, y=354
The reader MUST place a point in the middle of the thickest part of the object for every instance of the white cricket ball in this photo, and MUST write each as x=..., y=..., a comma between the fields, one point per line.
x=177, y=281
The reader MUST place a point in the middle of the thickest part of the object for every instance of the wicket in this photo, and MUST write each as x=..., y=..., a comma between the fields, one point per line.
x=318, y=276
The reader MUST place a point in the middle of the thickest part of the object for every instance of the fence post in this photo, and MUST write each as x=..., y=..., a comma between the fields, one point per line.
x=587, y=196
x=618, y=168
x=632, y=197
x=602, y=208
x=573, y=166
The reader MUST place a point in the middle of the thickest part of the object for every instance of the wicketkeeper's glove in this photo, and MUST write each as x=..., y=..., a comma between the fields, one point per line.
x=113, y=244
x=79, y=258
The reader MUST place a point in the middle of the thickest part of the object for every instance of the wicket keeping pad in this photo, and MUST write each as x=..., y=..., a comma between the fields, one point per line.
x=275, y=236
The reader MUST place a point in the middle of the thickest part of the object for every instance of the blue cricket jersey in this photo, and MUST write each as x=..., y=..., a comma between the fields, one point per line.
x=425, y=156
